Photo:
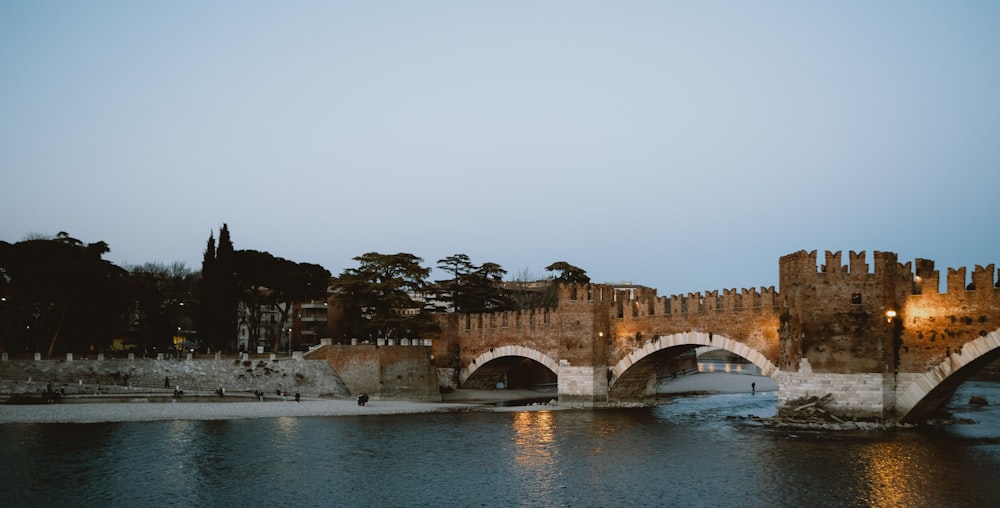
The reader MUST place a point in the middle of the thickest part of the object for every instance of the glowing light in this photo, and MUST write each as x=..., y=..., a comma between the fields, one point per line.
x=889, y=314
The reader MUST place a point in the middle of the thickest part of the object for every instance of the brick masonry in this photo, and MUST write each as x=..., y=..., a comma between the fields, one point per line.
x=833, y=317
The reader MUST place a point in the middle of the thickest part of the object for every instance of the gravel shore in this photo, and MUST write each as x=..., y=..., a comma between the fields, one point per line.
x=137, y=407
x=189, y=410
x=122, y=407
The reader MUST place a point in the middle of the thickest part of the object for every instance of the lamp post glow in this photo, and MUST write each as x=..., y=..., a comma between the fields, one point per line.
x=889, y=315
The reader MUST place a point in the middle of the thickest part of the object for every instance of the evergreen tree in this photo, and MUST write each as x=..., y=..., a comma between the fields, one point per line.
x=377, y=297
x=207, y=303
x=228, y=289
x=61, y=295
x=471, y=288
x=219, y=294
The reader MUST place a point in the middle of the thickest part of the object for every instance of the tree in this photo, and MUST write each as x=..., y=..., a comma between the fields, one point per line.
x=62, y=291
x=297, y=282
x=451, y=290
x=377, y=296
x=471, y=289
x=493, y=296
x=162, y=298
x=256, y=273
x=219, y=293
x=568, y=273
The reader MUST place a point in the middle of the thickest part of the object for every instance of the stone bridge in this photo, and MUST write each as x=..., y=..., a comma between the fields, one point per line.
x=882, y=340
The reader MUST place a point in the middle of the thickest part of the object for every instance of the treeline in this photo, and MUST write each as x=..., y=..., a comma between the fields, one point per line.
x=59, y=295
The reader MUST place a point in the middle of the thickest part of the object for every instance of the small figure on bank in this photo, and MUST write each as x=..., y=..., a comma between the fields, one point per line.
x=166, y=382
x=753, y=387
x=362, y=399
x=98, y=391
x=297, y=396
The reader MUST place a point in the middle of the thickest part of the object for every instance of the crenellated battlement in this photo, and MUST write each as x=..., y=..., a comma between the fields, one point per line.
x=802, y=266
x=927, y=280
x=728, y=300
x=797, y=270
x=804, y=263
x=622, y=302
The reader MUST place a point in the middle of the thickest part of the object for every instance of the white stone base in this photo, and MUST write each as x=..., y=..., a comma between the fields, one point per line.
x=583, y=386
x=853, y=394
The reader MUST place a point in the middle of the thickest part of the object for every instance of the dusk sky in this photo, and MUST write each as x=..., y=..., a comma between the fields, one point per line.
x=684, y=146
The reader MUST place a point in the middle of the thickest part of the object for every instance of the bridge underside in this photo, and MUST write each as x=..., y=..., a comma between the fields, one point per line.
x=934, y=402
x=515, y=372
x=639, y=382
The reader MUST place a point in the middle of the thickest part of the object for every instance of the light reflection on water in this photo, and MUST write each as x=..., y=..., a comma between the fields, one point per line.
x=696, y=451
x=889, y=480
x=535, y=450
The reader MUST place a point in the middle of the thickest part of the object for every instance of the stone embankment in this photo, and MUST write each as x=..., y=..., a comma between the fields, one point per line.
x=310, y=378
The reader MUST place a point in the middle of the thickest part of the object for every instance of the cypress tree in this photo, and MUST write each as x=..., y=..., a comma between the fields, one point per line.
x=219, y=294
x=207, y=309
x=228, y=291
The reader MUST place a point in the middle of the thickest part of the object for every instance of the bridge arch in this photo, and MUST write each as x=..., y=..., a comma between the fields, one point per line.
x=504, y=351
x=662, y=342
x=631, y=382
x=922, y=396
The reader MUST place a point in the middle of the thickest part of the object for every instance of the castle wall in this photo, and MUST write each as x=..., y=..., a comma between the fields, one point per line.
x=387, y=372
x=310, y=378
x=938, y=324
x=836, y=316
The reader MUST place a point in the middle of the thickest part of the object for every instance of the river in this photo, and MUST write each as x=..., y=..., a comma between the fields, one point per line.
x=696, y=451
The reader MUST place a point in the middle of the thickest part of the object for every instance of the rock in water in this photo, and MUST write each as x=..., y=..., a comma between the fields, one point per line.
x=978, y=400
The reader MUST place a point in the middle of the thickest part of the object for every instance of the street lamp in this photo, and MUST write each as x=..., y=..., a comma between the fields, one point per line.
x=889, y=314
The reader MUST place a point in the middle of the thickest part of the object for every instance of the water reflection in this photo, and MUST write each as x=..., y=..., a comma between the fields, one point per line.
x=180, y=448
x=286, y=431
x=534, y=435
x=535, y=451
x=887, y=467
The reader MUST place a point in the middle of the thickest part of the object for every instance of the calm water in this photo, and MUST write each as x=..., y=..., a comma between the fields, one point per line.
x=690, y=453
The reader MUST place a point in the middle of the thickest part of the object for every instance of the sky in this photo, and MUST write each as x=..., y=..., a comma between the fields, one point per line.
x=684, y=146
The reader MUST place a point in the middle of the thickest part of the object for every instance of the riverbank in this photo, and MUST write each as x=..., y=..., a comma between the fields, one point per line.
x=140, y=410
x=125, y=405
x=145, y=407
